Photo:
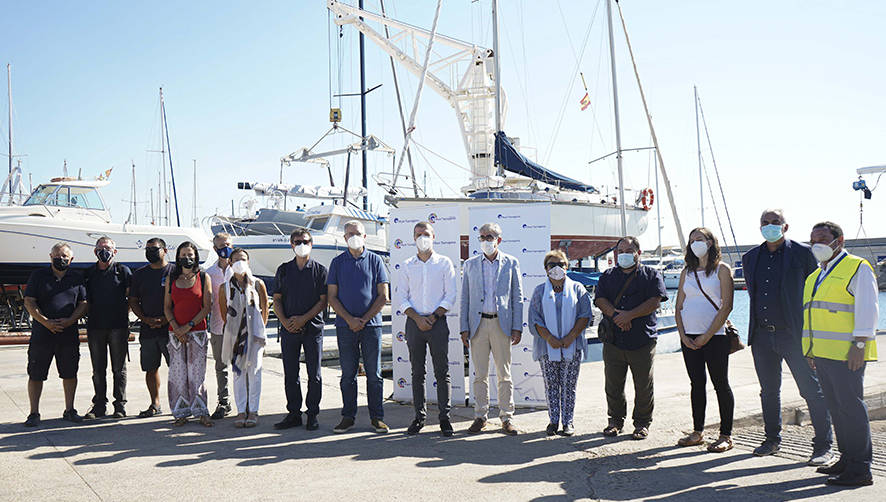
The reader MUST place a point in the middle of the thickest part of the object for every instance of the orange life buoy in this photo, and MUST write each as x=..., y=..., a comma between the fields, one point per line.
x=647, y=199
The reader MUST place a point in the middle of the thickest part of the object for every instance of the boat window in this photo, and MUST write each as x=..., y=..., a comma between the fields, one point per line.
x=86, y=198
x=318, y=223
x=371, y=227
x=41, y=195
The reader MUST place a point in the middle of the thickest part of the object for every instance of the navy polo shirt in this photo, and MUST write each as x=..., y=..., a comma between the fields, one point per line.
x=357, y=280
x=106, y=289
x=301, y=290
x=148, y=285
x=767, y=281
x=647, y=284
x=56, y=299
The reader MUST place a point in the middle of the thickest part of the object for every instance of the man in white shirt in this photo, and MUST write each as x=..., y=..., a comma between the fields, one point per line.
x=221, y=242
x=429, y=283
x=840, y=322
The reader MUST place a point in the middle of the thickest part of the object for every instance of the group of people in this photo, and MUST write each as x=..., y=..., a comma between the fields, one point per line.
x=814, y=308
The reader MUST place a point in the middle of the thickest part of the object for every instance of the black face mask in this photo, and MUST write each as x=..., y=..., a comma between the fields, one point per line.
x=60, y=264
x=104, y=255
x=153, y=255
x=186, y=262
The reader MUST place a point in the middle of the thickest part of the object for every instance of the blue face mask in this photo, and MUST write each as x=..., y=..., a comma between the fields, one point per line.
x=772, y=233
x=626, y=260
x=224, y=252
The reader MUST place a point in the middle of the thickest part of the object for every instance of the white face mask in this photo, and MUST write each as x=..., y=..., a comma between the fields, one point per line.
x=488, y=247
x=626, y=260
x=823, y=252
x=699, y=248
x=424, y=243
x=302, y=250
x=356, y=242
x=557, y=273
x=240, y=267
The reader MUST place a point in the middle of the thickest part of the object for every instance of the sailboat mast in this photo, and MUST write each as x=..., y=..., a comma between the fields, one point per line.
x=698, y=142
x=9, y=92
x=658, y=212
x=171, y=171
x=163, y=210
x=495, y=58
x=621, y=184
x=194, y=209
x=363, y=117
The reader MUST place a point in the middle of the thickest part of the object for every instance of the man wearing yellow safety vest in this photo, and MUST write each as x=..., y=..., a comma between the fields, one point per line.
x=840, y=313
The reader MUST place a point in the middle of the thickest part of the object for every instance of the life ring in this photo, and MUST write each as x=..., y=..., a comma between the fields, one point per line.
x=647, y=199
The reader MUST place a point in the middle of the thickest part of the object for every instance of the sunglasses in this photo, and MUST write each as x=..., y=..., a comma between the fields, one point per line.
x=553, y=264
x=300, y=242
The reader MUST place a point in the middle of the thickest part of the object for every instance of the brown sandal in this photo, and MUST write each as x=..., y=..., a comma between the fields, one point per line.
x=723, y=444
x=205, y=421
x=178, y=422
x=694, y=439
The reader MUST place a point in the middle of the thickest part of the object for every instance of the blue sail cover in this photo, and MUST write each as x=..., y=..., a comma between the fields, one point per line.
x=512, y=160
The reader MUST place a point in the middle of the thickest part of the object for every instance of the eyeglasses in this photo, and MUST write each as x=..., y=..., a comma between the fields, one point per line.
x=300, y=242
x=488, y=238
x=552, y=264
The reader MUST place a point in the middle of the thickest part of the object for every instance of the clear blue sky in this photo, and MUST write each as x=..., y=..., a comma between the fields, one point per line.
x=792, y=90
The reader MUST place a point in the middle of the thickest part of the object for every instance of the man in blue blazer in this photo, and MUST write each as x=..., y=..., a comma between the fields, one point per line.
x=775, y=272
x=491, y=320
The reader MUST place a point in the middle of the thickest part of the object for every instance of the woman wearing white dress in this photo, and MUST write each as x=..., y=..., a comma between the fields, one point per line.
x=244, y=299
x=704, y=302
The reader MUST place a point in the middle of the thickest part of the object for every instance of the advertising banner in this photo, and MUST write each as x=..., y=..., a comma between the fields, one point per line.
x=401, y=222
x=526, y=235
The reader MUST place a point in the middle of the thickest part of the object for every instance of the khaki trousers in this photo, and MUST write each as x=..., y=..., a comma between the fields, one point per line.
x=490, y=338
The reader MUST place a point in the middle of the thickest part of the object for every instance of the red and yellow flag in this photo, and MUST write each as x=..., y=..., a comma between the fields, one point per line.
x=585, y=102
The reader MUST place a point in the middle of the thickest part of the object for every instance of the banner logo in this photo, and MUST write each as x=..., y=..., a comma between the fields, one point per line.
x=508, y=216
x=432, y=218
x=398, y=243
x=401, y=336
x=526, y=225
x=401, y=382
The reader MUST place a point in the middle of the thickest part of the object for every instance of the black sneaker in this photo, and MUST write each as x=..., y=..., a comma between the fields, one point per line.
x=289, y=421
x=551, y=429
x=97, y=411
x=834, y=469
x=446, y=428
x=312, y=424
x=221, y=411
x=33, y=420
x=150, y=412
x=346, y=424
x=415, y=427
x=119, y=412
x=72, y=416
x=767, y=448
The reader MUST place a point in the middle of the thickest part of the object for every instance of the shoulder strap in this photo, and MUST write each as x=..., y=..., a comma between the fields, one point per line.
x=695, y=272
x=624, y=287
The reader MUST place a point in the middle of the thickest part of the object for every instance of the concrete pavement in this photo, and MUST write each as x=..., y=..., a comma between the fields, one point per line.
x=139, y=459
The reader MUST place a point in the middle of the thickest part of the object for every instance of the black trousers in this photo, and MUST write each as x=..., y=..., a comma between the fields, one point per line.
x=291, y=346
x=102, y=341
x=418, y=341
x=714, y=355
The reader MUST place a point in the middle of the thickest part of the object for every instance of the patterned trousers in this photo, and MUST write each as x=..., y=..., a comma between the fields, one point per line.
x=560, y=379
x=187, y=370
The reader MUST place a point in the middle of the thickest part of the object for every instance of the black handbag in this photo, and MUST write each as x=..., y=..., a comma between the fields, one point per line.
x=735, y=343
x=607, y=328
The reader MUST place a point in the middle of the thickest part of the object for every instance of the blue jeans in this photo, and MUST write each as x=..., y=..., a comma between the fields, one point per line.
x=769, y=349
x=844, y=391
x=351, y=345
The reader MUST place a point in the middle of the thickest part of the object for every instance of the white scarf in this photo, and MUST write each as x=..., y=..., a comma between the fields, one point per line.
x=567, y=317
x=243, y=302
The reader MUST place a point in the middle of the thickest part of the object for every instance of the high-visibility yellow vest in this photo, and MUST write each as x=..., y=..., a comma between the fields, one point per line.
x=829, y=315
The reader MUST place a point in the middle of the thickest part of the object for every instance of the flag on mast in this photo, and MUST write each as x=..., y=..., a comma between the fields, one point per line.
x=585, y=102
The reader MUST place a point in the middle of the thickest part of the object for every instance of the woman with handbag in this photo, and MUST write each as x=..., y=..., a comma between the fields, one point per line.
x=704, y=301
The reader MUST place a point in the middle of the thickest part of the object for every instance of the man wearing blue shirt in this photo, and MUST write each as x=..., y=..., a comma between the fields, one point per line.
x=55, y=298
x=358, y=289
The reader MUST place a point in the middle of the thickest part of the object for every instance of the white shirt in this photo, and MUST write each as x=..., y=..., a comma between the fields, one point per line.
x=863, y=286
x=216, y=319
x=490, y=272
x=428, y=284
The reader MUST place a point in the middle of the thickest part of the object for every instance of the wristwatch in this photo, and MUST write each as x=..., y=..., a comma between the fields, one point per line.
x=191, y=324
x=859, y=345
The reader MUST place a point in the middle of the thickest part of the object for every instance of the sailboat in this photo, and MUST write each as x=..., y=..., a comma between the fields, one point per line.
x=584, y=222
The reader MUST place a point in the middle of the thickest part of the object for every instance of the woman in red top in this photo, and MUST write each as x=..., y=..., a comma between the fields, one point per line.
x=187, y=302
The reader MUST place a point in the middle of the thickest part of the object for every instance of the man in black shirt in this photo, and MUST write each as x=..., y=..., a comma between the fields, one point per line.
x=56, y=299
x=299, y=302
x=107, y=326
x=636, y=328
x=146, y=301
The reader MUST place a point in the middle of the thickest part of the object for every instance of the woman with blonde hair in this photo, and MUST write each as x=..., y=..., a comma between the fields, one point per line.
x=559, y=312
